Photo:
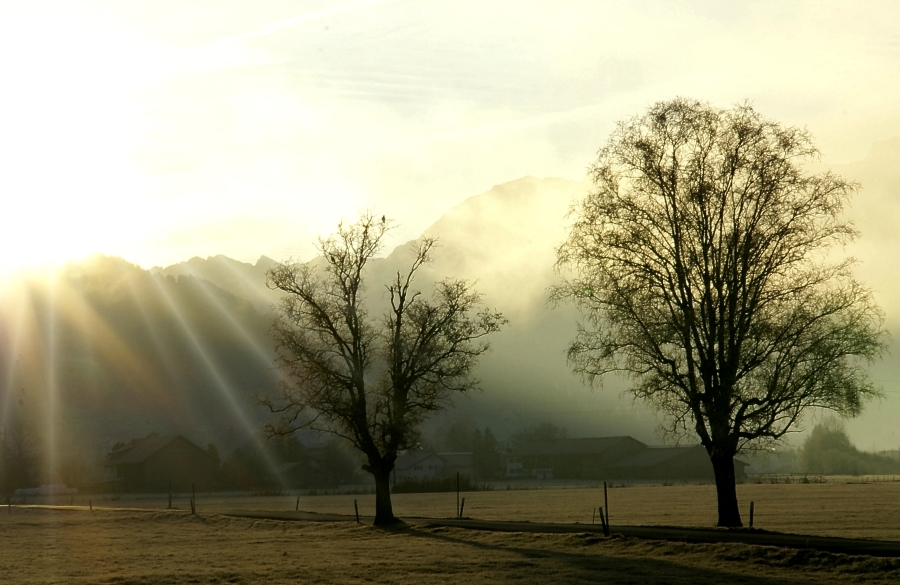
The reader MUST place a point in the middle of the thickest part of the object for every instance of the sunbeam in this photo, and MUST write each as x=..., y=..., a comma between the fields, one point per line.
x=259, y=351
x=12, y=330
x=99, y=335
x=51, y=387
x=226, y=391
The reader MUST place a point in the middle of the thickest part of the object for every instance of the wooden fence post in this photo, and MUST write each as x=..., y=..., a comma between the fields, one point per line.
x=462, y=507
x=457, y=494
x=193, y=500
x=356, y=509
x=605, y=507
x=751, y=514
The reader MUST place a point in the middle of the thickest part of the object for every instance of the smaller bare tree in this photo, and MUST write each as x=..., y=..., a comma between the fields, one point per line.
x=367, y=380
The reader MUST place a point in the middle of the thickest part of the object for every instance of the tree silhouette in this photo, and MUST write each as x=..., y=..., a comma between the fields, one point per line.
x=371, y=381
x=700, y=262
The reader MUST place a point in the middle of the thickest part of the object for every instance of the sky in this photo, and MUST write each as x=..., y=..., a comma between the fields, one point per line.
x=159, y=130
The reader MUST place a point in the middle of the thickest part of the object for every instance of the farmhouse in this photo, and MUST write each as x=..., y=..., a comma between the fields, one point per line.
x=569, y=458
x=682, y=463
x=418, y=465
x=151, y=463
x=613, y=458
x=315, y=470
x=305, y=474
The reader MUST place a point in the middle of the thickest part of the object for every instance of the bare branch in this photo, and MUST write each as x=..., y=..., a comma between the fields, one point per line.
x=371, y=381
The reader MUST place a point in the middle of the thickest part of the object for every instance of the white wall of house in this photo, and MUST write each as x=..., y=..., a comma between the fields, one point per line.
x=418, y=467
x=514, y=467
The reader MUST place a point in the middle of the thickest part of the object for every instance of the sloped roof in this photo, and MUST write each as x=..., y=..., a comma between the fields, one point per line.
x=291, y=465
x=589, y=446
x=411, y=458
x=655, y=455
x=142, y=449
x=457, y=459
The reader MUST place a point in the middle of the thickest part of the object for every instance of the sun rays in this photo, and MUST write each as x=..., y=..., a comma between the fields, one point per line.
x=100, y=349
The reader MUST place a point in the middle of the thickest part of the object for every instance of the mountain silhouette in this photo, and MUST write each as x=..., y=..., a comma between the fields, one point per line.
x=109, y=351
x=241, y=279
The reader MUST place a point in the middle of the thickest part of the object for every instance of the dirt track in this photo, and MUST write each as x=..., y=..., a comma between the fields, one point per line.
x=850, y=546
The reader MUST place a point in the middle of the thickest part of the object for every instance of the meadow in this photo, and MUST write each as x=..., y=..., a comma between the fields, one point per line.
x=135, y=540
x=848, y=507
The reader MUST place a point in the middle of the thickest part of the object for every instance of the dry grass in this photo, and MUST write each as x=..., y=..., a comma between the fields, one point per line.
x=863, y=510
x=158, y=547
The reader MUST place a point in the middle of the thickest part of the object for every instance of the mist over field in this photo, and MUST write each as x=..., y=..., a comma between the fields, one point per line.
x=712, y=187
x=184, y=349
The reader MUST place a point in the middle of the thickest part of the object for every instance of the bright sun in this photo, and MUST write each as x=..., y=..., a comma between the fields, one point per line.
x=69, y=125
x=76, y=118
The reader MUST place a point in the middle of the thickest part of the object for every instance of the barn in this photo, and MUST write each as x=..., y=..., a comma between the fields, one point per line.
x=155, y=463
x=570, y=458
x=668, y=463
x=620, y=458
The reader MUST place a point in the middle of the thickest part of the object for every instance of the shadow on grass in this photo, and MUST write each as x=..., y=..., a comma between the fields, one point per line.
x=589, y=567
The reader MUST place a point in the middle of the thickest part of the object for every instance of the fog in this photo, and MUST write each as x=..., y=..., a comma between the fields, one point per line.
x=104, y=351
x=159, y=157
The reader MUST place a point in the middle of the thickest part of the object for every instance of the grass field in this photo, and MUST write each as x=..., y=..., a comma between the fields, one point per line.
x=156, y=546
x=856, y=509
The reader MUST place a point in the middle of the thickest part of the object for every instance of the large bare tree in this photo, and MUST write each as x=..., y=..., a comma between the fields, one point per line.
x=372, y=380
x=703, y=263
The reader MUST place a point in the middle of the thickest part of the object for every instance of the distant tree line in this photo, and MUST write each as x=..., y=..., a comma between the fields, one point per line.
x=544, y=432
x=23, y=460
x=828, y=451
x=284, y=462
x=18, y=460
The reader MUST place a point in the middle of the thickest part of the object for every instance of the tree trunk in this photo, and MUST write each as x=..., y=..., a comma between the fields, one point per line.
x=384, y=511
x=726, y=492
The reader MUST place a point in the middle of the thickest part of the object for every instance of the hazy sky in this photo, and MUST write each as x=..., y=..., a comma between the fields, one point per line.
x=162, y=129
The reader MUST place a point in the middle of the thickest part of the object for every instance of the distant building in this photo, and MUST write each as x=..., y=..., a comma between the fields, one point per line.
x=419, y=465
x=766, y=462
x=316, y=470
x=569, y=458
x=611, y=458
x=150, y=464
x=682, y=463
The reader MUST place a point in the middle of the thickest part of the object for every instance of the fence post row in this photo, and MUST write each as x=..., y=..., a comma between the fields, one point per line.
x=604, y=522
x=457, y=495
x=606, y=507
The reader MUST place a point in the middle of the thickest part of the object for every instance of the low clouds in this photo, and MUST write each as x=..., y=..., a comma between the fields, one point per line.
x=211, y=113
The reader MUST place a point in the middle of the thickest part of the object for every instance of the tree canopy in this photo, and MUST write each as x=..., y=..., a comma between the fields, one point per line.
x=703, y=263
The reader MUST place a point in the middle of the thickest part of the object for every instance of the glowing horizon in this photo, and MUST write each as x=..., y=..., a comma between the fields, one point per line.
x=162, y=131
